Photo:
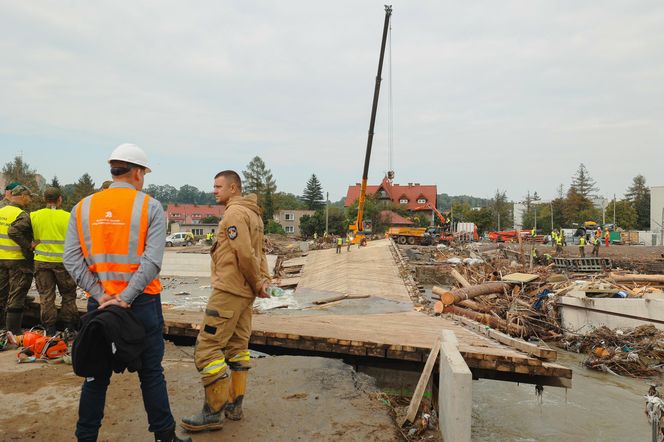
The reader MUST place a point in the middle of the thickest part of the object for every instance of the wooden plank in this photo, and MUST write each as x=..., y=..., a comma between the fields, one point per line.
x=422, y=384
x=543, y=353
x=520, y=277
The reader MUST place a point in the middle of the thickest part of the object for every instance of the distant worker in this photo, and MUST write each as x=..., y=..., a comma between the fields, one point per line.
x=598, y=232
x=49, y=228
x=114, y=251
x=533, y=232
x=582, y=246
x=209, y=237
x=607, y=237
x=8, y=193
x=16, y=258
x=239, y=275
x=554, y=238
x=596, y=242
x=559, y=245
x=349, y=242
x=340, y=242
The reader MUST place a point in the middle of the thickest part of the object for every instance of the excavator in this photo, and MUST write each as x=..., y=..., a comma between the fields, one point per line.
x=359, y=228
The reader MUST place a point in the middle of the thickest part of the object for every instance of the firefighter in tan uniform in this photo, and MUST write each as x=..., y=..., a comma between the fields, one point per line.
x=239, y=275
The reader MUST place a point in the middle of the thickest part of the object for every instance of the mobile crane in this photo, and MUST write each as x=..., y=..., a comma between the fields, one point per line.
x=358, y=227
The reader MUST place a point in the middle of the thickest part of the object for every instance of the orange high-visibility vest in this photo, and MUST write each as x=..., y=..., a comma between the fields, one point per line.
x=112, y=228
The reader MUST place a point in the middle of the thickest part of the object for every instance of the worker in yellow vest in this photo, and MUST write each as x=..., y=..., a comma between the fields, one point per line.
x=49, y=228
x=340, y=242
x=582, y=246
x=554, y=238
x=16, y=259
x=596, y=242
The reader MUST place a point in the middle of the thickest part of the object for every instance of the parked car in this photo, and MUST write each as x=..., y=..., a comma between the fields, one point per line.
x=180, y=239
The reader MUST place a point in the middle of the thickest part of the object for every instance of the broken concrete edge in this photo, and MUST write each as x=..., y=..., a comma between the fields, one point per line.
x=455, y=397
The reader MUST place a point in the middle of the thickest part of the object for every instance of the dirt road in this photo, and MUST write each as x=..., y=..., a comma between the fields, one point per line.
x=289, y=398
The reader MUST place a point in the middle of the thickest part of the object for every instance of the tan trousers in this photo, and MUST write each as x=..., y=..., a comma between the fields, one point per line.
x=48, y=276
x=224, y=335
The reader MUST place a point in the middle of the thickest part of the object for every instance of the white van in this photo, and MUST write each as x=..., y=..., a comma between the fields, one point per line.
x=180, y=239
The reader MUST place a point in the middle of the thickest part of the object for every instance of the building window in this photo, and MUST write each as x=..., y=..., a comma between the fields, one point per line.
x=289, y=217
x=175, y=215
x=421, y=200
x=197, y=231
x=403, y=201
x=196, y=215
x=289, y=229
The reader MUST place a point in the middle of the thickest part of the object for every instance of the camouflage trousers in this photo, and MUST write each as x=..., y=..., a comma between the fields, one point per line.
x=48, y=276
x=15, y=282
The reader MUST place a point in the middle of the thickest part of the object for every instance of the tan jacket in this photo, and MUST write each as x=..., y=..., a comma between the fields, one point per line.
x=239, y=265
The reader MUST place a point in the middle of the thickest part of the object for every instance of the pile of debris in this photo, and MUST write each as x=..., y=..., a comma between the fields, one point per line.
x=635, y=352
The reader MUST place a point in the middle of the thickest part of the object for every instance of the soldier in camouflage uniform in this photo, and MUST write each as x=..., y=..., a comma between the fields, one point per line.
x=16, y=259
x=49, y=227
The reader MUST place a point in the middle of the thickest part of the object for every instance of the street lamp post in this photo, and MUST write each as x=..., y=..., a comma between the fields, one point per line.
x=327, y=204
x=551, y=206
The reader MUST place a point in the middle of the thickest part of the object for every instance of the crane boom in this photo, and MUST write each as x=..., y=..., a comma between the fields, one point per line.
x=358, y=226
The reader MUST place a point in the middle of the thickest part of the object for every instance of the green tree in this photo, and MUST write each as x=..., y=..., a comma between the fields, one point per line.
x=638, y=194
x=274, y=227
x=20, y=171
x=313, y=193
x=372, y=209
x=626, y=214
x=583, y=183
x=55, y=183
x=283, y=200
x=258, y=179
x=187, y=194
x=501, y=210
x=84, y=187
x=268, y=206
x=577, y=208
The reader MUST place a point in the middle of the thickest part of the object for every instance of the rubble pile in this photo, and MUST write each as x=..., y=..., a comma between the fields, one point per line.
x=504, y=290
x=635, y=352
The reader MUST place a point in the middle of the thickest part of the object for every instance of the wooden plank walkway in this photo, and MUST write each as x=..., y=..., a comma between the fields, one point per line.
x=400, y=336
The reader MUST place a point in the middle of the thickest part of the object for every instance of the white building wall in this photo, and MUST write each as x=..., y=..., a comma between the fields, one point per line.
x=656, y=208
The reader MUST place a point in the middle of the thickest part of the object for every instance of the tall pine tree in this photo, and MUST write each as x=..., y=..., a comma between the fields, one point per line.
x=84, y=187
x=258, y=179
x=638, y=194
x=583, y=183
x=313, y=193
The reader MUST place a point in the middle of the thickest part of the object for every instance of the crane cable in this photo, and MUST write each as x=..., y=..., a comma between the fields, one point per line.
x=390, y=118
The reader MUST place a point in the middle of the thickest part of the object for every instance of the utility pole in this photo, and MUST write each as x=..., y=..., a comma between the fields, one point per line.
x=614, y=211
x=327, y=204
x=661, y=230
x=551, y=206
x=535, y=225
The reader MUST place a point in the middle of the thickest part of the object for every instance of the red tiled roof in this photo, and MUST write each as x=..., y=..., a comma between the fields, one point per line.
x=412, y=192
x=393, y=218
x=189, y=213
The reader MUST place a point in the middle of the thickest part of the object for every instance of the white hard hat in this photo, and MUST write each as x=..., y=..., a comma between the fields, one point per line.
x=130, y=153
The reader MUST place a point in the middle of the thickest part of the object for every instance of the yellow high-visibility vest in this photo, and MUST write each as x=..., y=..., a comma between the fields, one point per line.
x=8, y=248
x=49, y=226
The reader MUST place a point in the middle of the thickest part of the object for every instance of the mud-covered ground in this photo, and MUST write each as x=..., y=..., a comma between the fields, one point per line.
x=289, y=398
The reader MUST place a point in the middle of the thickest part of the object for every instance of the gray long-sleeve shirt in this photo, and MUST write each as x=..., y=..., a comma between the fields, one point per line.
x=150, y=262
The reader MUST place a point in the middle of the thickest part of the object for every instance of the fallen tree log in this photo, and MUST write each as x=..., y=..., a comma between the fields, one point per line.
x=636, y=278
x=487, y=319
x=461, y=294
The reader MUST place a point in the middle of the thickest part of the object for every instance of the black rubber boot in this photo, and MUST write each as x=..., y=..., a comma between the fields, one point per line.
x=169, y=436
x=14, y=320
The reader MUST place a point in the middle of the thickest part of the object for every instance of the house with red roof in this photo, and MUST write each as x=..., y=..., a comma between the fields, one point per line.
x=412, y=196
x=193, y=213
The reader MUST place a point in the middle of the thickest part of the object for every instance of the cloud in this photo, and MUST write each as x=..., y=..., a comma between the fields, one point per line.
x=510, y=95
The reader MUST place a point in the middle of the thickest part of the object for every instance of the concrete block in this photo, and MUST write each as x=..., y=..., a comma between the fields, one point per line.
x=455, y=395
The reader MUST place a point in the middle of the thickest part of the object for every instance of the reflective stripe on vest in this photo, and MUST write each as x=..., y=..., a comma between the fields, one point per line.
x=112, y=228
x=8, y=248
x=49, y=226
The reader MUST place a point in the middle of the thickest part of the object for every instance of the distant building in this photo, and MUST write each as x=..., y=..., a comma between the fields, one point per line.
x=290, y=219
x=412, y=196
x=192, y=213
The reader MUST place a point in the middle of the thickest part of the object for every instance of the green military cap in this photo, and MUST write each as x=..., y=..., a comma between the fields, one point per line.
x=11, y=186
x=21, y=190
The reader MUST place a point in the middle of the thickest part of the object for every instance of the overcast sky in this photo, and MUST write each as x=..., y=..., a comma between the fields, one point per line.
x=508, y=95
